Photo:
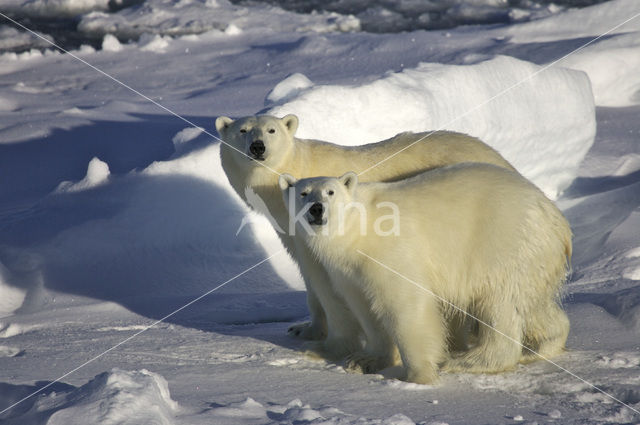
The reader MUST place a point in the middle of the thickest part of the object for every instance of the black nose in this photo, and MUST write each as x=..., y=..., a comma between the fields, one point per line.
x=257, y=148
x=316, y=210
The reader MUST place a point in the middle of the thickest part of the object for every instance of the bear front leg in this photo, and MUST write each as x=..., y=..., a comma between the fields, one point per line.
x=342, y=328
x=380, y=351
x=316, y=329
x=417, y=325
x=343, y=333
x=373, y=361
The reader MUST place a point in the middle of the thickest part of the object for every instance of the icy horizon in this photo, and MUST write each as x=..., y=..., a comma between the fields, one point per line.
x=71, y=23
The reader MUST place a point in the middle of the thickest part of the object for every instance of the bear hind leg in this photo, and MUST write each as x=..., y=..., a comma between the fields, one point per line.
x=546, y=333
x=499, y=346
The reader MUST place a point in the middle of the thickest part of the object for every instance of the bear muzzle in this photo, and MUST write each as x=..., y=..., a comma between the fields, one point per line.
x=257, y=150
x=316, y=213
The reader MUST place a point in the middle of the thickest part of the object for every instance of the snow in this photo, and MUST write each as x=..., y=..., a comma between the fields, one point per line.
x=394, y=16
x=11, y=38
x=288, y=88
x=429, y=98
x=111, y=44
x=169, y=18
x=613, y=17
x=9, y=351
x=47, y=8
x=154, y=43
x=612, y=65
x=115, y=213
x=555, y=414
x=12, y=297
x=97, y=174
x=183, y=137
x=296, y=412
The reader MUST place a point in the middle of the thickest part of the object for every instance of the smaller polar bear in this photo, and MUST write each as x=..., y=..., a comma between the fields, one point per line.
x=410, y=256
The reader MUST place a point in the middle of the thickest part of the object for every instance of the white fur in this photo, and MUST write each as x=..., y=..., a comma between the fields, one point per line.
x=331, y=321
x=475, y=236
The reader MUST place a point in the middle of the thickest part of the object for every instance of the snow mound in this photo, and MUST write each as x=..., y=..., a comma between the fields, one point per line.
x=12, y=39
x=575, y=23
x=9, y=351
x=288, y=88
x=184, y=136
x=612, y=65
x=633, y=273
x=115, y=397
x=619, y=360
x=294, y=412
x=541, y=120
x=634, y=253
x=25, y=56
x=10, y=298
x=111, y=44
x=8, y=330
x=196, y=17
x=625, y=304
x=97, y=174
x=154, y=43
x=7, y=105
x=55, y=8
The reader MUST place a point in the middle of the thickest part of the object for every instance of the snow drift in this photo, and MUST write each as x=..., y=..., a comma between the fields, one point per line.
x=116, y=397
x=611, y=17
x=612, y=65
x=97, y=174
x=295, y=412
x=545, y=137
x=141, y=397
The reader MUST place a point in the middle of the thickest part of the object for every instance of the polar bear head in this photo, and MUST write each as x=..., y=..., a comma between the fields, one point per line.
x=256, y=140
x=318, y=205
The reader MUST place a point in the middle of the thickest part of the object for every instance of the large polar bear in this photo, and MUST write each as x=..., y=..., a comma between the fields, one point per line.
x=410, y=255
x=257, y=149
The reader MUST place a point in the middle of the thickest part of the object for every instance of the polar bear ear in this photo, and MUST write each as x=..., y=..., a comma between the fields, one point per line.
x=222, y=123
x=350, y=180
x=291, y=123
x=285, y=181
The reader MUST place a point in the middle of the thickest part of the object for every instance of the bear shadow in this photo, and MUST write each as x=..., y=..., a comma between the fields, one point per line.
x=150, y=243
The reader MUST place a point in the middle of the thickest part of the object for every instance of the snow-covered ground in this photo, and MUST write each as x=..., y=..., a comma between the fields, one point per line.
x=114, y=212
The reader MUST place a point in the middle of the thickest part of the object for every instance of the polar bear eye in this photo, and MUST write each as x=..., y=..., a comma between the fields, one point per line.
x=303, y=194
x=330, y=193
x=272, y=130
x=243, y=130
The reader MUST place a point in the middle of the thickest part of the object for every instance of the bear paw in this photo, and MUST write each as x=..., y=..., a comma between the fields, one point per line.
x=315, y=350
x=477, y=361
x=306, y=331
x=425, y=376
x=364, y=362
x=330, y=349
